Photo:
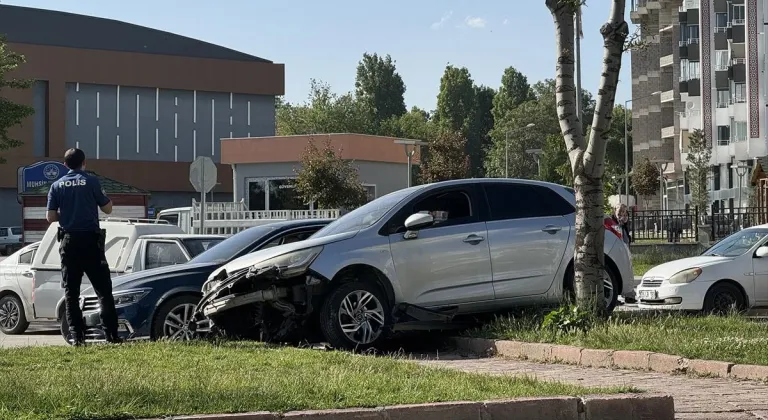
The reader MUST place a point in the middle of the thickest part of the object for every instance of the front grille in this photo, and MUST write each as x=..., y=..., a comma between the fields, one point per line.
x=90, y=304
x=652, y=282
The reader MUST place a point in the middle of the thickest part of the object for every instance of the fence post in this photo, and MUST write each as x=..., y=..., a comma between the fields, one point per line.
x=695, y=223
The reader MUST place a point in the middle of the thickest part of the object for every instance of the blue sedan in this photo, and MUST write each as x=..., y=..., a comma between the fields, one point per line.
x=159, y=303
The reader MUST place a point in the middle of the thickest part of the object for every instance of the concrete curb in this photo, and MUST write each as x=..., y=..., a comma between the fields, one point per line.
x=600, y=407
x=619, y=359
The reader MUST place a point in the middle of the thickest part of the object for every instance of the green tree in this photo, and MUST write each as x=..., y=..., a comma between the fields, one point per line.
x=456, y=99
x=587, y=153
x=11, y=113
x=699, y=155
x=328, y=180
x=645, y=179
x=480, y=126
x=447, y=157
x=323, y=112
x=554, y=161
x=415, y=125
x=379, y=88
x=514, y=90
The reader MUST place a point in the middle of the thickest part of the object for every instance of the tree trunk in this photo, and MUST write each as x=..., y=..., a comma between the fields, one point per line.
x=588, y=158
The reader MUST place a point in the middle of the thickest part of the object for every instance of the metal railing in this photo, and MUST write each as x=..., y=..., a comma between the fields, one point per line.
x=737, y=21
x=664, y=225
x=733, y=220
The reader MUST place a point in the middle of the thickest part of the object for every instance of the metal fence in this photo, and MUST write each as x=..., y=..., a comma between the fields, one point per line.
x=664, y=225
x=733, y=220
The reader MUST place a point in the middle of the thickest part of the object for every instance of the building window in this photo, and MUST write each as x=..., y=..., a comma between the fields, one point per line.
x=693, y=70
x=737, y=14
x=723, y=97
x=738, y=130
x=716, y=177
x=283, y=196
x=723, y=135
x=257, y=199
x=721, y=22
x=721, y=60
x=684, y=71
x=738, y=93
x=693, y=34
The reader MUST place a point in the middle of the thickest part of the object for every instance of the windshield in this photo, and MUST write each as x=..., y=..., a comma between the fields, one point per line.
x=737, y=244
x=232, y=246
x=365, y=216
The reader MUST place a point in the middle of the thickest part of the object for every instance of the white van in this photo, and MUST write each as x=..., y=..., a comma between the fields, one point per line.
x=122, y=234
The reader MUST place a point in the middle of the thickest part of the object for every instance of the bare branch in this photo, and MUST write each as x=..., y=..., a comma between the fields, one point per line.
x=614, y=33
x=563, y=12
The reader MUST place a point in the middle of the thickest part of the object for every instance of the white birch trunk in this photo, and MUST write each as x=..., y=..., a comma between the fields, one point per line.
x=588, y=158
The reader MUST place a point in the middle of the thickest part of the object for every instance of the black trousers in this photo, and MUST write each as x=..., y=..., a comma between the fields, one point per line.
x=83, y=253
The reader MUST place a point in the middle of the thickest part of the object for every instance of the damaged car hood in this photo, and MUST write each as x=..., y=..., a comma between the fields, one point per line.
x=259, y=256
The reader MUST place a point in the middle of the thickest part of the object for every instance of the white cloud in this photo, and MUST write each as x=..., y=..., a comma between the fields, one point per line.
x=475, y=22
x=439, y=24
x=506, y=21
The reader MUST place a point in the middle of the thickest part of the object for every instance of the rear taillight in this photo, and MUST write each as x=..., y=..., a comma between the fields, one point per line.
x=612, y=226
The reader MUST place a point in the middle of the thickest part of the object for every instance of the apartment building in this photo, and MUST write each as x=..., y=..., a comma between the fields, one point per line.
x=702, y=67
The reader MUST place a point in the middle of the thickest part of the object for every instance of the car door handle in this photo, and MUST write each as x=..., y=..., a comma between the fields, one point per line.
x=551, y=229
x=27, y=274
x=473, y=239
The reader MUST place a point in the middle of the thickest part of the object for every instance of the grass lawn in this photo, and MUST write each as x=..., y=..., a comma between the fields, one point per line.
x=642, y=262
x=157, y=379
x=729, y=338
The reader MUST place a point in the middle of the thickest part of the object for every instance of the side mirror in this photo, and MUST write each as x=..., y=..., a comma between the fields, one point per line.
x=419, y=221
x=762, y=252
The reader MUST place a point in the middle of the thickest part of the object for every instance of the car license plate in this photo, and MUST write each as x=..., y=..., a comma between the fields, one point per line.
x=648, y=294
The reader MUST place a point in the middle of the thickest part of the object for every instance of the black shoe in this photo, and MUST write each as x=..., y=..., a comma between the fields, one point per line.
x=114, y=339
x=77, y=340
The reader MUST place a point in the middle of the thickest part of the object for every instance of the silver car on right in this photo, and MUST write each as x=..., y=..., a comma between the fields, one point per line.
x=418, y=255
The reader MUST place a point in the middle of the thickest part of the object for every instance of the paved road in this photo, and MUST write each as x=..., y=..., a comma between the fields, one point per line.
x=38, y=334
x=695, y=398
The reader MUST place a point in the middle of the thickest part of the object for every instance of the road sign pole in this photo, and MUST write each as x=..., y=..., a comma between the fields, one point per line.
x=202, y=201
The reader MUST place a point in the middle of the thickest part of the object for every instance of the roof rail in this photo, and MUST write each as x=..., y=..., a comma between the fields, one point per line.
x=131, y=220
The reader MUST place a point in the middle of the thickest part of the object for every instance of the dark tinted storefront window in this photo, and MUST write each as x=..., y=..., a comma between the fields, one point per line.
x=283, y=196
x=257, y=199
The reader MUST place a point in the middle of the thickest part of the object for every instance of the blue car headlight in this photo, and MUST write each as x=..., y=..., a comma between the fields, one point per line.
x=129, y=297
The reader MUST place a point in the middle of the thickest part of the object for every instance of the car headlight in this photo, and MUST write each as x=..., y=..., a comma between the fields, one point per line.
x=129, y=297
x=293, y=263
x=685, y=276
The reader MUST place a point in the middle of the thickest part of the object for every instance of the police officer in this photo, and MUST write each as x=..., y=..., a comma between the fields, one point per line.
x=73, y=201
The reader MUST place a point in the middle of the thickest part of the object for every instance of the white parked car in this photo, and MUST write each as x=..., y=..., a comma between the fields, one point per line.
x=426, y=252
x=731, y=273
x=15, y=277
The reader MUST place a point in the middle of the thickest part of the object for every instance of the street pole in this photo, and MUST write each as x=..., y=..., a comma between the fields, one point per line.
x=202, y=200
x=506, y=154
x=410, y=157
x=626, y=156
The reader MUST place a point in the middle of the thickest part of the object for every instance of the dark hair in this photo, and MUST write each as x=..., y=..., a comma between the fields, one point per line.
x=74, y=158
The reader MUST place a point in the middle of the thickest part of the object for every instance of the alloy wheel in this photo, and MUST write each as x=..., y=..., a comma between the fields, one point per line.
x=608, y=289
x=177, y=323
x=9, y=314
x=724, y=301
x=361, y=317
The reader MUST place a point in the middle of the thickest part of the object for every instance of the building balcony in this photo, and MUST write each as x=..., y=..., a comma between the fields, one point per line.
x=668, y=132
x=667, y=60
x=667, y=96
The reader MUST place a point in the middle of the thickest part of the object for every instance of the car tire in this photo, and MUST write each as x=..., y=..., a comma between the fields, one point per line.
x=569, y=292
x=179, y=312
x=13, y=320
x=721, y=297
x=371, y=320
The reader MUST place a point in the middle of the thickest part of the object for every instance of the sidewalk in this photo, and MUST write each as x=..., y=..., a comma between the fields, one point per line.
x=695, y=398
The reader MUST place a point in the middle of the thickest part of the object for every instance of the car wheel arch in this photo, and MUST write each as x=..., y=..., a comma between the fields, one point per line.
x=365, y=271
x=569, y=271
x=168, y=296
x=9, y=292
x=734, y=283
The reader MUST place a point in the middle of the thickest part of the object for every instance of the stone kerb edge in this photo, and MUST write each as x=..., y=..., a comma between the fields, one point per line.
x=606, y=358
x=599, y=407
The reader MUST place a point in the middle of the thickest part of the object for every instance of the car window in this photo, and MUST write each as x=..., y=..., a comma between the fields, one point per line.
x=737, y=244
x=170, y=218
x=3, y=232
x=16, y=231
x=289, y=238
x=519, y=201
x=26, y=258
x=197, y=246
x=161, y=254
x=448, y=207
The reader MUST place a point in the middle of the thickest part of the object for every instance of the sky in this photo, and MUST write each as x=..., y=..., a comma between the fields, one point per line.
x=325, y=40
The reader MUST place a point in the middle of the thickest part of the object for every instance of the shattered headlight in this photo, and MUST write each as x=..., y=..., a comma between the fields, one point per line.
x=129, y=297
x=210, y=285
x=293, y=263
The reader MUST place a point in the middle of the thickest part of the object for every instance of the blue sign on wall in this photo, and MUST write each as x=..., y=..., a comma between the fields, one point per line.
x=40, y=174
